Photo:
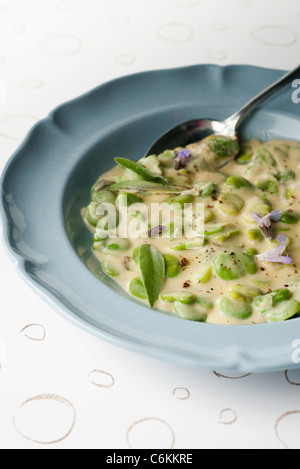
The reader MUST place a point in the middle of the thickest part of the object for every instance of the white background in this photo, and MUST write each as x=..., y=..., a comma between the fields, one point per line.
x=95, y=395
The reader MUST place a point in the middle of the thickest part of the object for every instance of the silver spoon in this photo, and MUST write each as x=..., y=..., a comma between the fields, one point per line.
x=196, y=130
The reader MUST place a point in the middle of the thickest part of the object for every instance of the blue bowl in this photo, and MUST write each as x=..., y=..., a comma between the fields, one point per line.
x=48, y=180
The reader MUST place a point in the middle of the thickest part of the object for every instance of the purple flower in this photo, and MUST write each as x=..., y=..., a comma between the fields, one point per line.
x=182, y=159
x=276, y=255
x=156, y=231
x=265, y=223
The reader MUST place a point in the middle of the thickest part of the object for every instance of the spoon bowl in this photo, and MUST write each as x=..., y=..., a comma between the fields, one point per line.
x=198, y=129
x=187, y=133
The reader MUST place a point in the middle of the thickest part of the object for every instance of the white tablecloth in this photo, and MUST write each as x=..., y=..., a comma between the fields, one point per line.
x=58, y=384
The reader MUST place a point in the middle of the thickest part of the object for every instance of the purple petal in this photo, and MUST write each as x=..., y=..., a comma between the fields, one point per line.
x=184, y=153
x=275, y=255
x=265, y=223
x=276, y=215
x=182, y=158
x=282, y=239
x=258, y=219
x=285, y=260
x=156, y=231
x=277, y=259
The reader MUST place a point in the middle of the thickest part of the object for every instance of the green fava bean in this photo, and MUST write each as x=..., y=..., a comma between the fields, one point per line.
x=173, y=266
x=222, y=237
x=263, y=284
x=213, y=228
x=131, y=176
x=245, y=156
x=126, y=199
x=208, y=215
x=181, y=200
x=185, y=245
x=173, y=230
x=290, y=218
x=278, y=296
x=91, y=214
x=255, y=234
x=289, y=193
x=260, y=207
x=251, y=252
x=268, y=186
x=247, y=291
x=183, y=297
x=167, y=158
x=234, y=266
x=136, y=255
x=266, y=156
x=115, y=245
x=103, y=196
x=205, y=303
x=285, y=176
x=152, y=163
x=223, y=146
x=282, y=312
x=136, y=288
x=190, y=312
x=239, y=182
x=267, y=302
x=236, y=307
x=109, y=269
x=207, y=189
x=205, y=274
x=230, y=204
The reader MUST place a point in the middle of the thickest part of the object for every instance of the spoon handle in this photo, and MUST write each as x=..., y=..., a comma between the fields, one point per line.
x=233, y=123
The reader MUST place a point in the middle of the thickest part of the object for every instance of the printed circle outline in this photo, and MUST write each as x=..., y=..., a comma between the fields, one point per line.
x=31, y=338
x=279, y=420
x=63, y=53
x=182, y=389
x=106, y=386
x=149, y=419
x=230, y=422
x=54, y=397
x=165, y=38
x=260, y=29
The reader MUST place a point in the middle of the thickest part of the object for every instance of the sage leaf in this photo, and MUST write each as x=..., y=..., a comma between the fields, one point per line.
x=142, y=171
x=146, y=186
x=153, y=269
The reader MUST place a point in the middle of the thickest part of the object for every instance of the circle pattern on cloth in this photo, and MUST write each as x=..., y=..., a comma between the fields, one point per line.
x=276, y=36
x=34, y=332
x=228, y=417
x=232, y=377
x=293, y=377
x=182, y=394
x=175, y=32
x=62, y=45
x=46, y=419
x=32, y=84
x=287, y=429
x=101, y=379
x=126, y=58
x=156, y=432
x=218, y=54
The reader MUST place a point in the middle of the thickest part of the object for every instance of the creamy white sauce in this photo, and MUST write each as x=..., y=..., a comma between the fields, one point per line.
x=272, y=275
